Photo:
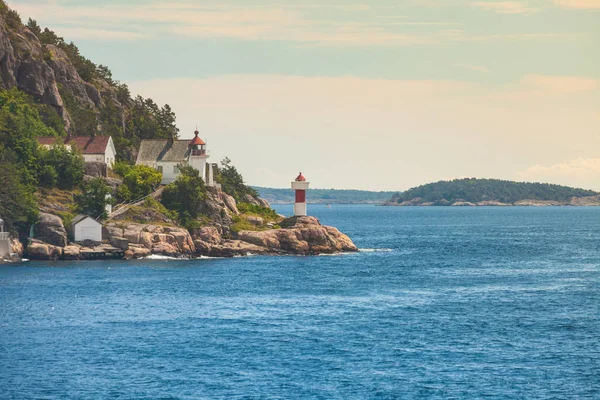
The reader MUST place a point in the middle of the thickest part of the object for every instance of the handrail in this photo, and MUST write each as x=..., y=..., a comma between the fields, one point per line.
x=4, y=235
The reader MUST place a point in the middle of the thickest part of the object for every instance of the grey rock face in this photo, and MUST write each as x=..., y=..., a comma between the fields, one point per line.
x=50, y=229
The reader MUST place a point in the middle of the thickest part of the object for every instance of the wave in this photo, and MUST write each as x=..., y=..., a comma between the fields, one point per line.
x=161, y=257
x=375, y=250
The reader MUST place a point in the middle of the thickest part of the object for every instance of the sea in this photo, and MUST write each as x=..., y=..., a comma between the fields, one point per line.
x=440, y=303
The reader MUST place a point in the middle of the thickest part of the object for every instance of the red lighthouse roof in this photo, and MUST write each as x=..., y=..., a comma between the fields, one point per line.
x=300, y=178
x=196, y=140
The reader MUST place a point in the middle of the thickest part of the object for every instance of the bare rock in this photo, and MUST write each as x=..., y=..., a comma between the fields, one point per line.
x=230, y=202
x=96, y=169
x=50, y=229
x=158, y=239
x=137, y=252
x=264, y=203
x=72, y=252
x=256, y=221
x=16, y=247
x=251, y=200
x=43, y=251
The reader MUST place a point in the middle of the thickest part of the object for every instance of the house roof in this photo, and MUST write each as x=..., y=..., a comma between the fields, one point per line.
x=196, y=140
x=80, y=218
x=153, y=150
x=300, y=178
x=85, y=144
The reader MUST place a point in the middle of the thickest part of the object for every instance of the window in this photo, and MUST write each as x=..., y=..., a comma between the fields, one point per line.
x=175, y=169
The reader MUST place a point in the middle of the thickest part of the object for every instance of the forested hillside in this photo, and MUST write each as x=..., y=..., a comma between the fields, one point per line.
x=475, y=191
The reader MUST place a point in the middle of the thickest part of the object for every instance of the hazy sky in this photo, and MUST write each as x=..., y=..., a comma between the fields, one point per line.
x=380, y=95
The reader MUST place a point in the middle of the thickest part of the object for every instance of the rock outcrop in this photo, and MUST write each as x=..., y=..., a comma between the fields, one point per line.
x=298, y=235
x=166, y=240
x=50, y=229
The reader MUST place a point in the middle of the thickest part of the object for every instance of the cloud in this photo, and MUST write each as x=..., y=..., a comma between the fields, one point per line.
x=343, y=131
x=504, y=7
x=580, y=4
x=99, y=34
x=561, y=84
x=302, y=24
x=581, y=172
x=478, y=68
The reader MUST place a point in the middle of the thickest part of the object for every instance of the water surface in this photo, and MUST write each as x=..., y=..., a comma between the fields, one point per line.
x=441, y=303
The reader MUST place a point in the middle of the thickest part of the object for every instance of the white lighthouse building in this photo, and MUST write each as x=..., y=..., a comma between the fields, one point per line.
x=300, y=185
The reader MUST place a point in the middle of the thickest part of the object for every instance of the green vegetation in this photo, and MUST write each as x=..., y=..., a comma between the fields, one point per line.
x=93, y=198
x=339, y=196
x=185, y=196
x=138, y=181
x=476, y=190
x=60, y=167
x=259, y=211
x=18, y=207
x=232, y=182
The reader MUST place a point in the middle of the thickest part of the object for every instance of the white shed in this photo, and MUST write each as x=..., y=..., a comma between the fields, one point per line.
x=86, y=228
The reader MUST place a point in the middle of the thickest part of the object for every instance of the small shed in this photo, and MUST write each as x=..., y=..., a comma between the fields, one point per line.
x=85, y=228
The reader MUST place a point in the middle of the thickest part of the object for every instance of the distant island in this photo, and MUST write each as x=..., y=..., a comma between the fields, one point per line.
x=326, y=196
x=493, y=192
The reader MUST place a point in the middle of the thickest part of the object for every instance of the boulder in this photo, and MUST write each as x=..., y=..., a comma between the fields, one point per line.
x=95, y=169
x=50, y=229
x=251, y=200
x=264, y=203
x=137, y=252
x=42, y=251
x=230, y=202
x=158, y=239
x=257, y=221
x=72, y=252
x=16, y=247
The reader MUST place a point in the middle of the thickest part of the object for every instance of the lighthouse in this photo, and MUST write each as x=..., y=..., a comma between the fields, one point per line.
x=300, y=185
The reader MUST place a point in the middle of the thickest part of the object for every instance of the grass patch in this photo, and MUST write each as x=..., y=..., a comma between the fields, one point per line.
x=268, y=214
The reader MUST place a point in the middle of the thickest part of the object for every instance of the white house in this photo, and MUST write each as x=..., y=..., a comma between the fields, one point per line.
x=85, y=228
x=166, y=155
x=93, y=148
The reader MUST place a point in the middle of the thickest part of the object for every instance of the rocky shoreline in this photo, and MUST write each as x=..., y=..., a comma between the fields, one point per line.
x=128, y=236
x=589, y=201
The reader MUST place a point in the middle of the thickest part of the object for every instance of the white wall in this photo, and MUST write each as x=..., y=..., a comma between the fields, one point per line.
x=169, y=172
x=88, y=229
x=199, y=164
x=93, y=157
x=110, y=154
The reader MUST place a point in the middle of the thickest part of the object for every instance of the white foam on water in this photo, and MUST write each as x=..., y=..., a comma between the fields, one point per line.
x=161, y=257
x=375, y=250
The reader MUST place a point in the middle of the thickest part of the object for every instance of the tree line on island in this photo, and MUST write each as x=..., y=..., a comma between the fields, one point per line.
x=483, y=191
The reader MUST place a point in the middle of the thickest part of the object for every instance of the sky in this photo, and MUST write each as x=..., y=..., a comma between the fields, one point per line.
x=377, y=95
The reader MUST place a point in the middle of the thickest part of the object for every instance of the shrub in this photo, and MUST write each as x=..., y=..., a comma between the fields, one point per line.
x=94, y=198
x=264, y=212
x=141, y=180
x=185, y=196
x=67, y=164
x=232, y=182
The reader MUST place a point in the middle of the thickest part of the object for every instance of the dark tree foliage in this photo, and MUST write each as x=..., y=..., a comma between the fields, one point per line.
x=18, y=207
x=185, y=196
x=476, y=190
x=93, y=198
x=20, y=125
x=67, y=164
x=232, y=182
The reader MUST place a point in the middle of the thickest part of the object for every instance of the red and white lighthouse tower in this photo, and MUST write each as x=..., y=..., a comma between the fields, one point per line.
x=300, y=185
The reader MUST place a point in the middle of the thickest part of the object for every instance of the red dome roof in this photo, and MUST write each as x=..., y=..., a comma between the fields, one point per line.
x=196, y=140
x=300, y=178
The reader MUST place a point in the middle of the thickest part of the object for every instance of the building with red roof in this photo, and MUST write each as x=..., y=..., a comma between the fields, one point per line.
x=93, y=148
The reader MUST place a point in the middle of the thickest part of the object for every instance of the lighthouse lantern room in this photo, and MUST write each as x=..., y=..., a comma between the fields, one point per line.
x=300, y=185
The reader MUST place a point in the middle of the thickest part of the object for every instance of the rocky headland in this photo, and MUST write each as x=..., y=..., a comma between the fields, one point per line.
x=137, y=231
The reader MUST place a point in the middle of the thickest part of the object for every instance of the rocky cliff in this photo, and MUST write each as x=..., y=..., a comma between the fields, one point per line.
x=47, y=74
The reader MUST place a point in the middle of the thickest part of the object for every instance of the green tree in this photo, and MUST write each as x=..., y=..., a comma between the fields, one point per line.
x=186, y=195
x=141, y=180
x=94, y=198
x=18, y=206
x=232, y=182
x=68, y=164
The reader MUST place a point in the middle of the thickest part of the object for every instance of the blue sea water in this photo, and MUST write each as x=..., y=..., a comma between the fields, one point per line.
x=440, y=303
